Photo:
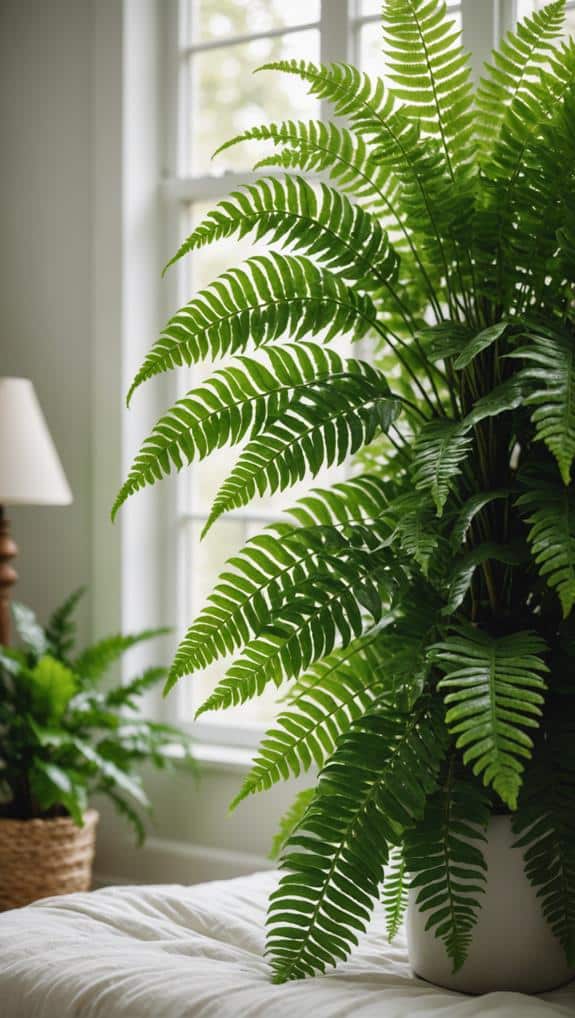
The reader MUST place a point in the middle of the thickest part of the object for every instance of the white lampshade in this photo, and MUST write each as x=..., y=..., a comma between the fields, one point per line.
x=30, y=470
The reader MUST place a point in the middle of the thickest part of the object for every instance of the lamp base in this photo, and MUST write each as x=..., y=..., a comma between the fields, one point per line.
x=8, y=577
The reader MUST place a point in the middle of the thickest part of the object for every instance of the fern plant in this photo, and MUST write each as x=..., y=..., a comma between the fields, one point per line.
x=66, y=733
x=419, y=614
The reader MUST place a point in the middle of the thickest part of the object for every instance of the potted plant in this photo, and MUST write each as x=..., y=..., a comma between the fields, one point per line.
x=63, y=737
x=419, y=614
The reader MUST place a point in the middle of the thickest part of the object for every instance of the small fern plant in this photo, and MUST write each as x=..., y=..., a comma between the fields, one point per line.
x=418, y=614
x=66, y=732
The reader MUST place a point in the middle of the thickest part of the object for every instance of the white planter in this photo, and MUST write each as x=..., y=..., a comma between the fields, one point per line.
x=512, y=948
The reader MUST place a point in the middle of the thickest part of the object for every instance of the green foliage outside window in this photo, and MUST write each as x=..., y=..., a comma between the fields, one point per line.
x=420, y=613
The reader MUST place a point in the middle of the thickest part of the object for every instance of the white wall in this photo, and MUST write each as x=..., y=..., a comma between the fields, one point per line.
x=45, y=268
x=81, y=204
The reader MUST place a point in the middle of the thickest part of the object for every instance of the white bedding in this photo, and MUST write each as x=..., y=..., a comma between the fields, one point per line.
x=176, y=952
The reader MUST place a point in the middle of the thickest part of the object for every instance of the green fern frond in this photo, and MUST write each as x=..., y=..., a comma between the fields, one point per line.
x=319, y=147
x=363, y=100
x=469, y=510
x=319, y=614
x=260, y=576
x=259, y=579
x=327, y=424
x=61, y=629
x=440, y=449
x=124, y=695
x=371, y=112
x=431, y=75
x=551, y=367
x=506, y=90
x=416, y=523
x=395, y=892
x=290, y=820
x=361, y=498
x=271, y=296
x=336, y=692
x=477, y=344
x=91, y=664
x=444, y=858
x=550, y=512
x=337, y=856
x=497, y=688
x=464, y=569
x=505, y=397
x=323, y=224
x=545, y=825
x=245, y=397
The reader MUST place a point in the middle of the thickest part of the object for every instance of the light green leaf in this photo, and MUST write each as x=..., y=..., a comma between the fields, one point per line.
x=52, y=685
x=477, y=344
x=440, y=449
x=494, y=691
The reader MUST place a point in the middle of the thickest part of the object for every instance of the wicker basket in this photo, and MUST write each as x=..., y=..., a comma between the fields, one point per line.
x=39, y=858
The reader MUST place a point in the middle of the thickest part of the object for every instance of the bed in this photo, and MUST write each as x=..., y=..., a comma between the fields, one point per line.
x=174, y=952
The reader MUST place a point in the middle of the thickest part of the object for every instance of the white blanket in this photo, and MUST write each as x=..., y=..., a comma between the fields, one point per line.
x=177, y=952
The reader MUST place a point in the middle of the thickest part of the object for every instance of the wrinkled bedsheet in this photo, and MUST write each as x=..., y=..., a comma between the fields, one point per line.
x=177, y=952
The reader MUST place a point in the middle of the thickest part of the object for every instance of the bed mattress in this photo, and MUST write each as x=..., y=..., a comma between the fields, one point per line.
x=177, y=952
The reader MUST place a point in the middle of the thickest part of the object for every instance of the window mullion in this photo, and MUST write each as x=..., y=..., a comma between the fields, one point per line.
x=335, y=37
x=480, y=28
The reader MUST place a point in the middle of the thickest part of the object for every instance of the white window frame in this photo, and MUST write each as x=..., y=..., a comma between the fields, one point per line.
x=483, y=22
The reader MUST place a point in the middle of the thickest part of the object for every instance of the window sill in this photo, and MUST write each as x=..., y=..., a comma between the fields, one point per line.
x=213, y=757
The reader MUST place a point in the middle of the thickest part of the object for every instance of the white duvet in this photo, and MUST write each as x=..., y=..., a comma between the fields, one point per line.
x=174, y=952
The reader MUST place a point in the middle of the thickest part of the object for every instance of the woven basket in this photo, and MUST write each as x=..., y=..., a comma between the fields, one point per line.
x=39, y=858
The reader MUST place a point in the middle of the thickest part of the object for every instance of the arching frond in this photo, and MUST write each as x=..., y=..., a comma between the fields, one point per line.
x=545, y=825
x=320, y=147
x=506, y=90
x=550, y=513
x=321, y=613
x=478, y=343
x=464, y=568
x=271, y=296
x=324, y=224
x=362, y=99
x=327, y=424
x=245, y=398
x=440, y=450
x=494, y=691
x=469, y=510
x=372, y=113
x=550, y=358
x=336, y=692
x=507, y=396
x=358, y=813
x=430, y=73
x=444, y=857
x=290, y=820
x=91, y=664
x=259, y=579
x=395, y=890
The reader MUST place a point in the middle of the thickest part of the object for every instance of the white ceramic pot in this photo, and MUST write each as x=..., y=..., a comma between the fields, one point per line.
x=512, y=948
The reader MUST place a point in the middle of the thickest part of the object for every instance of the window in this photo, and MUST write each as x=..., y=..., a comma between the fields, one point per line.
x=219, y=43
x=525, y=7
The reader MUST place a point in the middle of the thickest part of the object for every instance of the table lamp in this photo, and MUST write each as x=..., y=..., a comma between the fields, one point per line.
x=30, y=474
